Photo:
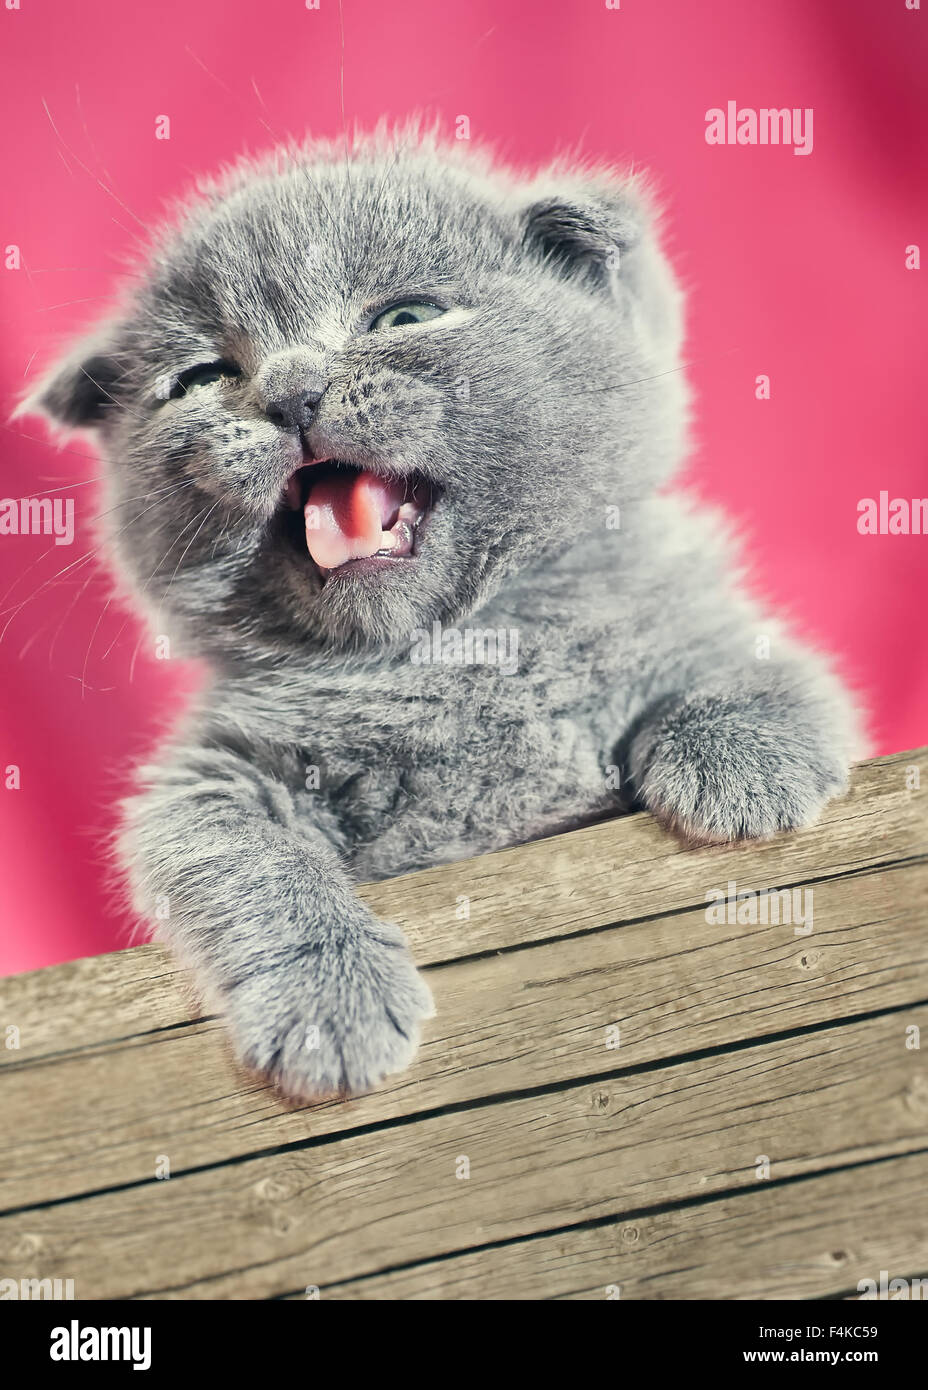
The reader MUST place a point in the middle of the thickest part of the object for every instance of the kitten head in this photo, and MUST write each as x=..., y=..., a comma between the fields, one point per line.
x=346, y=396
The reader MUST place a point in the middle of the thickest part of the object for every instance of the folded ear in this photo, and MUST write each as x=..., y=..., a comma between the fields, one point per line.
x=77, y=390
x=602, y=231
x=585, y=235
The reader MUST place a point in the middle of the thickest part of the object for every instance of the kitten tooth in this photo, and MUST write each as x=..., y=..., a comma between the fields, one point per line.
x=402, y=534
x=292, y=493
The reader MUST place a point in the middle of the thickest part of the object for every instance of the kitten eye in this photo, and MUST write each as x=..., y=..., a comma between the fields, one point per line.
x=203, y=375
x=398, y=315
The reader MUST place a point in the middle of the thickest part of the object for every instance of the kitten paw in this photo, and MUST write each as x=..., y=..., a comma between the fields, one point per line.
x=714, y=771
x=335, y=1021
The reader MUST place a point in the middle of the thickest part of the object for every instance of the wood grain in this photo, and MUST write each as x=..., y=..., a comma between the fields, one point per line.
x=799, y=1240
x=618, y=871
x=530, y=1018
x=325, y=1212
x=736, y=1040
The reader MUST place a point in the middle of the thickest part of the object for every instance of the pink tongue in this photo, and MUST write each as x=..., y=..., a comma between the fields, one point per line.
x=348, y=514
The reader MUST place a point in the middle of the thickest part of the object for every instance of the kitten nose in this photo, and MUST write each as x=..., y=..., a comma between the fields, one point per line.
x=294, y=412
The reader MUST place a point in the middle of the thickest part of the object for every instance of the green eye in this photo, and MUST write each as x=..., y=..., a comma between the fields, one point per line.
x=203, y=375
x=401, y=314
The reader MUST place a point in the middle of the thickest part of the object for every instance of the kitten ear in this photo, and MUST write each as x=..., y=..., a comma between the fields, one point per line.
x=77, y=390
x=602, y=230
x=584, y=236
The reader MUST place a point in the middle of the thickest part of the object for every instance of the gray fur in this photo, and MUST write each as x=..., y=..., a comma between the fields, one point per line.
x=549, y=392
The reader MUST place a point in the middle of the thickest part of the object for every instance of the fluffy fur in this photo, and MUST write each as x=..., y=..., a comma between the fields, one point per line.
x=546, y=396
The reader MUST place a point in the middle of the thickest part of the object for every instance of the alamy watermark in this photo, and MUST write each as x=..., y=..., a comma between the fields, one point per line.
x=85, y=1343
x=878, y=516
x=38, y=516
x=892, y=1288
x=767, y=125
x=470, y=646
x=770, y=906
x=27, y=1290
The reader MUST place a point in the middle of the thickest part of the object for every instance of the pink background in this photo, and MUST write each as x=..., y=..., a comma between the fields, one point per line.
x=795, y=267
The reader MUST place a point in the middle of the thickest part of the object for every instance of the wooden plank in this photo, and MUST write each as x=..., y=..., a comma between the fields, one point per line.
x=528, y=1019
x=98, y=999
x=626, y=869
x=328, y=1212
x=617, y=871
x=811, y=1239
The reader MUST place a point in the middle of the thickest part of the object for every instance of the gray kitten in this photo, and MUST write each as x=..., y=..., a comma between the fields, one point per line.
x=347, y=400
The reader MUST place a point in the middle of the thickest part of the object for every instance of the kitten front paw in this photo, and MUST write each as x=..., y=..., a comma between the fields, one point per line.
x=715, y=770
x=335, y=1021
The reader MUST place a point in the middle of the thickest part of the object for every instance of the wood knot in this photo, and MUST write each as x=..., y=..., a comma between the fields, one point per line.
x=27, y=1246
x=915, y=1095
x=272, y=1190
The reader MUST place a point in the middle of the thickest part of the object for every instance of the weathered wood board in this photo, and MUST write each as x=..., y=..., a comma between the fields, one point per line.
x=618, y=1090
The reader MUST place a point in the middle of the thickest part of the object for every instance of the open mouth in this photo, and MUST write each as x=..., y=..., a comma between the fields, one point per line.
x=350, y=514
